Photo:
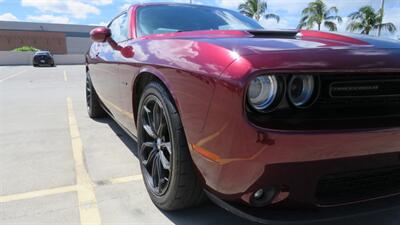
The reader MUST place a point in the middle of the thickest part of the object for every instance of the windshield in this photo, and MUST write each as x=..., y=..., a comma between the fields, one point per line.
x=179, y=18
x=42, y=53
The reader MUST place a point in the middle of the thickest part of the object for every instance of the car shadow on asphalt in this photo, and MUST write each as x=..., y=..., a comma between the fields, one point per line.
x=122, y=135
x=209, y=213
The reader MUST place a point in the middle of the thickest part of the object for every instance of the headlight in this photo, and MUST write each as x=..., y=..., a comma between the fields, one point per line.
x=301, y=90
x=262, y=92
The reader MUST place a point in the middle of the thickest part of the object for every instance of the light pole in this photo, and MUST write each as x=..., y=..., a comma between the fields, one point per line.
x=382, y=11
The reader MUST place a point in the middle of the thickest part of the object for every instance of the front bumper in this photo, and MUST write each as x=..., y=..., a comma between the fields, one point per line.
x=299, y=164
x=308, y=216
x=236, y=158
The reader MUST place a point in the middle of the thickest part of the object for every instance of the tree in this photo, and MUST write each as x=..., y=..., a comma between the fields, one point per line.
x=366, y=19
x=317, y=13
x=26, y=49
x=256, y=9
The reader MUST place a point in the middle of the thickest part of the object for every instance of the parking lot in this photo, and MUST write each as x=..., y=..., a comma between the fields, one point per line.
x=58, y=166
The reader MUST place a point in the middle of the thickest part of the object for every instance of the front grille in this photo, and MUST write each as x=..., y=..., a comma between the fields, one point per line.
x=360, y=89
x=359, y=102
x=367, y=91
x=358, y=186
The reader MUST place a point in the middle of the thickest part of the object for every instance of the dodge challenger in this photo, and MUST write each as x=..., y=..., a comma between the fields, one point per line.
x=275, y=126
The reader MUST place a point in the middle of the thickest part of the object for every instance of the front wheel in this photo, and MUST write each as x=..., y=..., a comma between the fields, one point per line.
x=94, y=108
x=166, y=165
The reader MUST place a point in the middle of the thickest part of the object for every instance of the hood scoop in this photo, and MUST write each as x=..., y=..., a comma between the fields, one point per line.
x=288, y=34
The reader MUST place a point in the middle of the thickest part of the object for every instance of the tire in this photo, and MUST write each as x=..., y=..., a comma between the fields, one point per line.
x=93, y=104
x=174, y=183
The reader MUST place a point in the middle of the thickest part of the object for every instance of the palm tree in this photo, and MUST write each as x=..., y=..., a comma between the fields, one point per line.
x=366, y=19
x=255, y=9
x=317, y=13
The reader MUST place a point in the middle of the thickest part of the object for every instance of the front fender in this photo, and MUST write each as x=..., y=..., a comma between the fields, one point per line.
x=189, y=69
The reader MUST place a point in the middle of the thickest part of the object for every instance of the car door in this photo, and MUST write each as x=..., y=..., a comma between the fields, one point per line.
x=128, y=69
x=106, y=79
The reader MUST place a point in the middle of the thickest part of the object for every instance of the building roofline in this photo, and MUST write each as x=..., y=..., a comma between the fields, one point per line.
x=52, y=24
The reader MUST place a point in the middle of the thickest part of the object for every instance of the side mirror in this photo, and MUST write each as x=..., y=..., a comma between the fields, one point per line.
x=103, y=34
x=100, y=34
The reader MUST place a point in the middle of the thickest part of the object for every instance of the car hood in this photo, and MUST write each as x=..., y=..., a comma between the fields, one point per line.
x=311, y=51
x=282, y=50
x=261, y=42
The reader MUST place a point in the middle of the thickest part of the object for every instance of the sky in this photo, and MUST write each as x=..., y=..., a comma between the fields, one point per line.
x=100, y=12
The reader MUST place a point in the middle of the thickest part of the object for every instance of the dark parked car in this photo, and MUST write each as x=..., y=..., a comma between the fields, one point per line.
x=276, y=126
x=43, y=58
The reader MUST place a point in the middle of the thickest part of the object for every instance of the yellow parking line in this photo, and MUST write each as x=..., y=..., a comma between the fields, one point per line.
x=13, y=75
x=35, y=194
x=88, y=209
x=65, y=76
x=121, y=180
x=65, y=189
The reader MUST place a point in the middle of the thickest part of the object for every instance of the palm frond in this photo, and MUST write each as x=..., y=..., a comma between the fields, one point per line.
x=366, y=19
x=317, y=13
x=390, y=27
x=272, y=16
x=356, y=26
x=302, y=24
x=355, y=15
x=337, y=18
x=332, y=11
x=256, y=9
x=330, y=25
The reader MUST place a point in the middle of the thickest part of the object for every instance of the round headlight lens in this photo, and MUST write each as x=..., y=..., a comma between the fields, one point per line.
x=301, y=89
x=262, y=92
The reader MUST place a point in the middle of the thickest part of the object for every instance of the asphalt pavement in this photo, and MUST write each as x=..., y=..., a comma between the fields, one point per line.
x=58, y=166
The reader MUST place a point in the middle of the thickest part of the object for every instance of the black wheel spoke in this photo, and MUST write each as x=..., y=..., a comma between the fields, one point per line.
x=148, y=124
x=157, y=118
x=149, y=131
x=167, y=146
x=147, y=114
x=160, y=173
x=151, y=154
x=148, y=145
x=161, y=127
x=156, y=149
x=164, y=161
x=154, y=173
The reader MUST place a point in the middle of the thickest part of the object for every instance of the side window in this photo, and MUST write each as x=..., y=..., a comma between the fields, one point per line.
x=119, y=28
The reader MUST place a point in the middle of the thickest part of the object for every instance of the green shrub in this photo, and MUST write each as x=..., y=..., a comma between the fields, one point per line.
x=26, y=49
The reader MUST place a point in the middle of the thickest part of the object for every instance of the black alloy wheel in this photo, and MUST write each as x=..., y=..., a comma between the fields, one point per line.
x=156, y=150
x=168, y=170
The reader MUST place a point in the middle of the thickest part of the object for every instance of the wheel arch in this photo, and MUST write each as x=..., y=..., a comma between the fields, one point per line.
x=145, y=76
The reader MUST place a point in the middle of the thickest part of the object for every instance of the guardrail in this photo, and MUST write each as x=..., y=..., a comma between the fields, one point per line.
x=25, y=58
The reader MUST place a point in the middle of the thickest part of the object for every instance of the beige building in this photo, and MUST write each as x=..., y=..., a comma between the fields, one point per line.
x=57, y=38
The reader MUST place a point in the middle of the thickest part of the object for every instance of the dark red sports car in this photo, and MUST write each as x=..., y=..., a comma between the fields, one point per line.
x=262, y=121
